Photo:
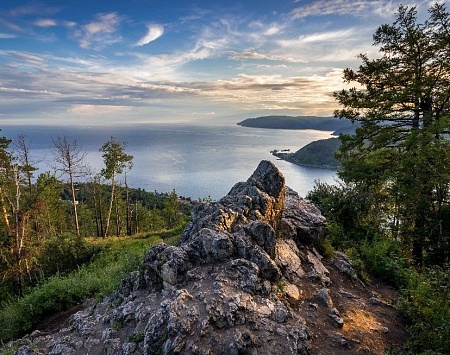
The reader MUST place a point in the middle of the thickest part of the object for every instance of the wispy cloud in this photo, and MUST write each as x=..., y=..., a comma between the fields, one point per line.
x=26, y=91
x=345, y=7
x=154, y=32
x=100, y=33
x=334, y=46
x=11, y=25
x=45, y=23
x=255, y=55
x=33, y=9
x=7, y=36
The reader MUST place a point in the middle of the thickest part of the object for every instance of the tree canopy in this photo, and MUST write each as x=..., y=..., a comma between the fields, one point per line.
x=401, y=151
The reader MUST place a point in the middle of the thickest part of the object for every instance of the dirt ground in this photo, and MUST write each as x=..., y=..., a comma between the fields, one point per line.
x=371, y=323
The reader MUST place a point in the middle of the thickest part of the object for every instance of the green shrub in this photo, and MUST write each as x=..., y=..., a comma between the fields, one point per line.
x=63, y=253
x=118, y=257
x=383, y=258
x=324, y=247
x=354, y=227
x=357, y=263
x=426, y=303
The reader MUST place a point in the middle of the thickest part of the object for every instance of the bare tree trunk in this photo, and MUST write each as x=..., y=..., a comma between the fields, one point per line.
x=129, y=231
x=97, y=226
x=19, y=232
x=111, y=203
x=4, y=210
x=118, y=219
x=100, y=211
x=136, y=217
x=71, y=162
x=74, y=202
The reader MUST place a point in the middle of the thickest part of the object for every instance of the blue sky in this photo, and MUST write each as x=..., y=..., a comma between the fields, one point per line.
x=136, y=61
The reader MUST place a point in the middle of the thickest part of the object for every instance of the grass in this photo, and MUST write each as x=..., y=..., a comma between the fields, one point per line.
x=117, y=258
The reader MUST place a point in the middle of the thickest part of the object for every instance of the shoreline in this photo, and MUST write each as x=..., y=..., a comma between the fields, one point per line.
x=283, y=155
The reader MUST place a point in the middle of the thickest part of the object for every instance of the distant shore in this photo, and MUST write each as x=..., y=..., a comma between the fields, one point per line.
x=286, y=155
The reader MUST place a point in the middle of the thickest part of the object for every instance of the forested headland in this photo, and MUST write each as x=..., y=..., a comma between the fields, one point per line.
x=317, y=154
x=298, y=122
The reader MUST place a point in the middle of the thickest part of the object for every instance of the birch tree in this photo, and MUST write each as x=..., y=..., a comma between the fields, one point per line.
x=70, y=161
x=116, y=161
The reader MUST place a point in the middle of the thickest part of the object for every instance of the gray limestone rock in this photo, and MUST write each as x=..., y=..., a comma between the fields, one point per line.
x=218, y=291
x=302, y=220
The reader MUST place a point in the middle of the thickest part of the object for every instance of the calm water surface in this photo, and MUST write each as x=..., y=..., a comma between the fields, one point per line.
x=196, y=161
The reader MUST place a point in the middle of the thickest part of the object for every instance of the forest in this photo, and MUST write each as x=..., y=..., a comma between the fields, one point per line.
x=47, y=220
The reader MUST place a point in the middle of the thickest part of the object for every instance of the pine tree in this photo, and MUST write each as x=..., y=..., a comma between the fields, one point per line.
x=402, y=102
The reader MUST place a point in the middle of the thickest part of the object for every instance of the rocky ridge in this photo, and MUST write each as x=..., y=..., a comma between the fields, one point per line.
x=245, y=279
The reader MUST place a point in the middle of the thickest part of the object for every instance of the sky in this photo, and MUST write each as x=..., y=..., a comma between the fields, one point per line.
x=113, y=62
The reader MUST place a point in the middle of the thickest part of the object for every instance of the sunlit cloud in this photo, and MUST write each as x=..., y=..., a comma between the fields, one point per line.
x=154, y=32
x=272, y=30
x=206, y=62
x=95, y=110
x=331, y=36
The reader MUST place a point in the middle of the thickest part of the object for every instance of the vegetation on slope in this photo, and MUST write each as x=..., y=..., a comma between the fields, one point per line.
x=115, y=258
x=318, y=154
x=392, y=212
x=56, y=248
x=44, y=220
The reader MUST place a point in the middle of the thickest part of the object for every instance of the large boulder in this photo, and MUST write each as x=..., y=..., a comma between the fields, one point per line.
x=226, y=289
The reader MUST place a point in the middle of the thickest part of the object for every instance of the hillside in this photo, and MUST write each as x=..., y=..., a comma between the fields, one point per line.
x=245, y=279
x=317, y=154
x=297, y=122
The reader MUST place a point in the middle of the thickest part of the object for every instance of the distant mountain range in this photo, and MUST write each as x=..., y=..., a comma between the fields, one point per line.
x=299, y=122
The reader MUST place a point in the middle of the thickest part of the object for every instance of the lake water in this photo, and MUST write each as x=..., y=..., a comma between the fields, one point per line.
x=196, y=161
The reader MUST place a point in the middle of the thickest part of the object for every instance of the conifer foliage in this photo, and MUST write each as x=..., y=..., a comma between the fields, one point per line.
x=401, y=151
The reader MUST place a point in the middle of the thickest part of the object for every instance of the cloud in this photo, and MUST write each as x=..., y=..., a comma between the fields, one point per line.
x=344, y=7
x=33, y=9
x=11, y=25
x=106, y=23
x=90, y=110
x=27, y=58
x=6, y=36
x=154, y=32
x=273, y=29
x=100, y=33
x=12, y=92
x=45, y=23
x=260, y=56
x=330, y=36
x=333, y=46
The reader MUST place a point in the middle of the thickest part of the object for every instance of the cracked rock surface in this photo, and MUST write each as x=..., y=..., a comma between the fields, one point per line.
x=245, y=279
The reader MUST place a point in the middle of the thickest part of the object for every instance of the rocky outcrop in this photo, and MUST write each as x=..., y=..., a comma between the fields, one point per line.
x=234, y=285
